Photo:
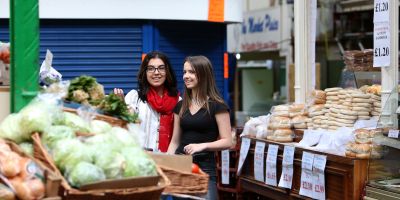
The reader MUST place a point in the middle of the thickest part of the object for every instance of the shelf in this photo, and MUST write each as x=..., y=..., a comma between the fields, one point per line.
x=231, y=169
x=227, y=189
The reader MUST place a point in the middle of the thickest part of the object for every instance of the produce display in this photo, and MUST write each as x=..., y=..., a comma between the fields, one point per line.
x=101, y=152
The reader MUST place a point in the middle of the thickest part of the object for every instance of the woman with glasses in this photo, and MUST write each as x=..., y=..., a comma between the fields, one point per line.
x=201, y=120
x=154, y=101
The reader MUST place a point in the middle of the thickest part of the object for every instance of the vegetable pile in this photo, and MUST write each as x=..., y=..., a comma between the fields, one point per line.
x=85, y=89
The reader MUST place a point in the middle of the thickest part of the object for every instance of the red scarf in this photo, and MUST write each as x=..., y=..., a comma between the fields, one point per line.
x=164, y=106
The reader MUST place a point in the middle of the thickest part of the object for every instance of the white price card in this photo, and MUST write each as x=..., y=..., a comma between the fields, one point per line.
x=306, y=183
x=319, y=163
x=287, y=167
x=259, y=161
x=319, y=186
x=393, y=133
x=270, y=169
x=381, y=44
x=307, y=161
x=244, y=149
x=381, y=11
x=272, y=153
x=225, y=167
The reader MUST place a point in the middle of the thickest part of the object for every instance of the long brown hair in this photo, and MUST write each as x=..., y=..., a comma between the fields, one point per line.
x=207, y=88
x=170, y=80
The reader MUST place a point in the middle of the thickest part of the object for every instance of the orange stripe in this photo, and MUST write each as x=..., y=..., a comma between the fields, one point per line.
x=226, y=67
x=143, y=55
x=216, y=10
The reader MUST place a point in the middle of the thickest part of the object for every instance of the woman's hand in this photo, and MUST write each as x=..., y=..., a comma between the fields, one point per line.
x=194, y=148
x=119, y=92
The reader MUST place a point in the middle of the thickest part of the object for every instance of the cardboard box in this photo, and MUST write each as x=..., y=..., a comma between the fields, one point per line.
x=182, y=163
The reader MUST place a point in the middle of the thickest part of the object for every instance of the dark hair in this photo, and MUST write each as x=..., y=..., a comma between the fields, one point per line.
x=207, y=88
x=170, y=80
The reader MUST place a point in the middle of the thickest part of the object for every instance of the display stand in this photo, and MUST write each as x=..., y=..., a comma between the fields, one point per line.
x=344, y=177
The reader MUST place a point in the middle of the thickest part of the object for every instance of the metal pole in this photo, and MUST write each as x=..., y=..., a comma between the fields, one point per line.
x=24, y=40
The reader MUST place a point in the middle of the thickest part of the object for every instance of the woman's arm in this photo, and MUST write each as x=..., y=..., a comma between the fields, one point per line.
x=176, y=135
x=225, y=137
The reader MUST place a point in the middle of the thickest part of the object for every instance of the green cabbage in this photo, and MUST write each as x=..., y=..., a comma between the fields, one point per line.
x=124, y=137
x=99, y=127
x=36, y=117
x=10, y=129
x=75, y=122
x=63, y=148
x=54, y=134
x=112, y=163
x=79, y=154
x=138, y=163
x=85, y=173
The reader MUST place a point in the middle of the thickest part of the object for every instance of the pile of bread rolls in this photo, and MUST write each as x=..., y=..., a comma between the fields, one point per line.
x=375, y=93
x=363, y=147
x=316, y=111
x=279, y=127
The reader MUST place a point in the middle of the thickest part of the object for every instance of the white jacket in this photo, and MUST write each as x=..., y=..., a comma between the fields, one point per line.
x=149, y=120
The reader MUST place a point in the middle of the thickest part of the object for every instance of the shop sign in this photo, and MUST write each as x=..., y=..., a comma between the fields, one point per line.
x=270, y=170
x=259, y=161
x=261, y=30
x=306, y=180
x=287, y=167
x=244, y=149
x=225, y=166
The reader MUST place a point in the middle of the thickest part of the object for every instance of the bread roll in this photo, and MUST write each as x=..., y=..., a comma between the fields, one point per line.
x=315, y=108
x=283, y=138
x=318, y=94
x=367, y=105
x=280, y=108
x=360, y=95
x=362, y=109
x=360, y=100
x=329, y=94
x=296, y=108
x=333, y=89
x=283, y=132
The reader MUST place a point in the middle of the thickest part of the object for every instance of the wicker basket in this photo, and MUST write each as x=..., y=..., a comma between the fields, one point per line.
x=186, y=183
x=53, y=181
x=112, y=120
x=69, y=193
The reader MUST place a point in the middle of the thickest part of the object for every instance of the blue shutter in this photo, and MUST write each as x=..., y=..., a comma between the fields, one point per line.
x=110, y=53
x=178, y=39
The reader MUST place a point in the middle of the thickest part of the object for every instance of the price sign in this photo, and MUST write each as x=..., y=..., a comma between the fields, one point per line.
x=244, y=149
x=307, y=161
x=270, y=172
x=225, y=166
x=272, y=154
x=318, y=186
x=381, y=44
x=259, y=161
x=393, y=133
x=319, y=163
x=381, y=11
x=306, y=183
x=287, y=168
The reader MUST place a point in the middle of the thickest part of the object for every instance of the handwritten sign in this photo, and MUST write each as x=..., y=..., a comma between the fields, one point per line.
x=306, y=180
x=287, y=168
x=270, y=170
x=225, y=166
x=244, y=150
x=259, y=161
x=319, y=177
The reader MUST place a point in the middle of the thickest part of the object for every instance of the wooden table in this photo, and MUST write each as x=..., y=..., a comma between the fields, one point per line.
x=344, y=177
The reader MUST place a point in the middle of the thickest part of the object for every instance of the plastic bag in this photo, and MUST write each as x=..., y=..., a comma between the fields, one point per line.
x=47, y=73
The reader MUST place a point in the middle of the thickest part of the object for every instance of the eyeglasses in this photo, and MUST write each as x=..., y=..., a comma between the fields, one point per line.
x=152, y=69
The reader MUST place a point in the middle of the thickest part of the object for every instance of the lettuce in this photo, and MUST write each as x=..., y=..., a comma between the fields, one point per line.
x=138, y=163
x=10, y=129
x=75, y=122
x=84, y=173
x=99, y=127
x=56, y=133
x=112, y=163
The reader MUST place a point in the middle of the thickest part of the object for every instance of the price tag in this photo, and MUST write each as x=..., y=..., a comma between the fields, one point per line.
x=307, y=161
x=381, y=44
x=393, y=133
x=272, y=154
x=288, y=155
x=381, y=11
x=244, y=149
x=287, y=176
x=287, y=167
x=225, y=166
x=270, y=170
x=259, y=161
x=318, y=186
x=306, y=183
x=319, y=163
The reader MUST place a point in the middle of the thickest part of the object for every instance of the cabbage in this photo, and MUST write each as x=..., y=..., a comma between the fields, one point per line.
x=27, y=148
x=63, y=148
x=79, y=154
x=84, y=173
x=99, y=127
x=55, y=133
x=138, y=163
x=10, y=129
x=124, y=136
x=75, y=122
x=36, y=117
x=112, y=163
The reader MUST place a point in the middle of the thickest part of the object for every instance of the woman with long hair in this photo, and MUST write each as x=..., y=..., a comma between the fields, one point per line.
x=154, y=101
x=201, y=120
